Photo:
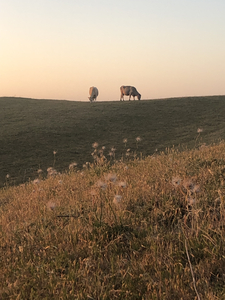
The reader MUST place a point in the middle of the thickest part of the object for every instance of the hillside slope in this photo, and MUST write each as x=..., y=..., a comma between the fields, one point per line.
x=140, y=229
x=30, y=130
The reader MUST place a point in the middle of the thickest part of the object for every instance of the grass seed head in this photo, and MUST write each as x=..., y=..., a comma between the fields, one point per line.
x=117, y=199
x=188, y=184
x=36, y=181
x=111, y=177
x=176, y=181
x=101, y=184
x=196, y=188
x=191, y=201
x=199, y=130
x=72, y=165
x=51, y=205
x=122, y=184
x=95, y=145
x=52, y=172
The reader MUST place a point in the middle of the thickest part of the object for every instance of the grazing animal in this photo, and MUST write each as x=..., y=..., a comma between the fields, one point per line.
x=129, y=91
x=93, y=92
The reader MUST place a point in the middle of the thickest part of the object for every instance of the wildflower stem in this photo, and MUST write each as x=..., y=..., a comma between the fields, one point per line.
x=197, y=139
x=110, y=206
x=54, y=159
x=101, y=207
x=192, y=273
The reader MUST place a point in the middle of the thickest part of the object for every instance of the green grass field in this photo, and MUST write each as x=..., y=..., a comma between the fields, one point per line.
x=30, y=130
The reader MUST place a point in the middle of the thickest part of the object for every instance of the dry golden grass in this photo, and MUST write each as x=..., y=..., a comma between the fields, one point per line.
x=148, y=228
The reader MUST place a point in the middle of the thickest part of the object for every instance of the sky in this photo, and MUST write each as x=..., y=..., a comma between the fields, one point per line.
x=57, y=49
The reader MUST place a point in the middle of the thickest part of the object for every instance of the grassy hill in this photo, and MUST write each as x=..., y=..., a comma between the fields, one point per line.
x=30, y=130
x=140, y=229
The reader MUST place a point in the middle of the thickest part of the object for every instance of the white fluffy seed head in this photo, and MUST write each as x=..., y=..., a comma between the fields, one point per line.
x=51, y=205
x=117, y=199
x=95, y=145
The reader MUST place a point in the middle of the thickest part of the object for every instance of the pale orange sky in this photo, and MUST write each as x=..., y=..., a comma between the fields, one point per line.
x=58, y=49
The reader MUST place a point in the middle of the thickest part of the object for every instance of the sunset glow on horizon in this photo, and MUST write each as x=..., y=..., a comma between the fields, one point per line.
x=58, y=49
